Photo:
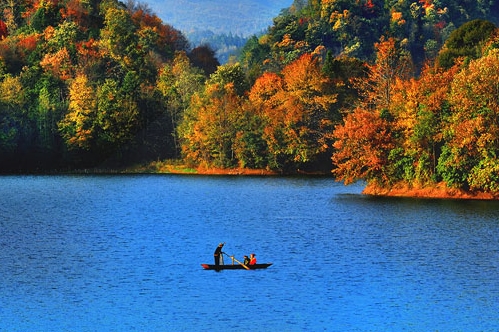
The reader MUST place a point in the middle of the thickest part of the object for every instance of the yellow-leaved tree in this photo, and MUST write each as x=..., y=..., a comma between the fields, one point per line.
x=78, y=125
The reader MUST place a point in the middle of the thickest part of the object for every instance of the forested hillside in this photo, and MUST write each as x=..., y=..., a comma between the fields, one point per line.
x=81, y=83
x=385, y=91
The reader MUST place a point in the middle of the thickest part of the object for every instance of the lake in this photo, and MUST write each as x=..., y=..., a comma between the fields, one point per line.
x=123, y=253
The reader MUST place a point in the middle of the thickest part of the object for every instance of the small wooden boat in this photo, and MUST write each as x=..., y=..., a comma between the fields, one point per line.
x=235, y=266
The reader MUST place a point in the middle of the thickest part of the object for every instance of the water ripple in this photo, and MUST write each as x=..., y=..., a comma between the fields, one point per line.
x=120, y=253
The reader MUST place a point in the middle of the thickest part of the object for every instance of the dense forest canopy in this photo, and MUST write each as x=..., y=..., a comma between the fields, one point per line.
x=383, y=91
x=80, y=83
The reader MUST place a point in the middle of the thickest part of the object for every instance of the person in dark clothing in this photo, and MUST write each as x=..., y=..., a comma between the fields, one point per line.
x=218, y=253
x=246, y=260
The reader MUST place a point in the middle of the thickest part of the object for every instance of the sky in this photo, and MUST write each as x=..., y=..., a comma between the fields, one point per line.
x=241, y=17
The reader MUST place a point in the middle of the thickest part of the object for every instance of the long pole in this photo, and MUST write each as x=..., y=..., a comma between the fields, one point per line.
x=247, y=268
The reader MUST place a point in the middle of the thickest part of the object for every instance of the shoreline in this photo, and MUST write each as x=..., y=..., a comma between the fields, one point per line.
x=182, y=169
x=438, y=191
x=435, y=191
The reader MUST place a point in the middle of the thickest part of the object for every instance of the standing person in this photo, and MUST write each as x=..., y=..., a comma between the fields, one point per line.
x=246, y=260
x=218, y=252
x=252, y=259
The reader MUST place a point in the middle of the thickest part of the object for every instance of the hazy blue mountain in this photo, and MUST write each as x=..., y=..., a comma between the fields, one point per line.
x=237, y=17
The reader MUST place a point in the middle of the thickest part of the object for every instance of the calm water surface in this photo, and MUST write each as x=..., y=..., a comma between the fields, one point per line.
x=123, y=253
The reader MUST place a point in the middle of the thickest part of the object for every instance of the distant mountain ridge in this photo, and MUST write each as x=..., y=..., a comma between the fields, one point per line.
x=244, y=18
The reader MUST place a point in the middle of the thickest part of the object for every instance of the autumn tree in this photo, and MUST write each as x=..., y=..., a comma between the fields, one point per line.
x=177, y=83
x=308, y=104
x=356, y=25
x=392, y=62
x=11, y=100
x=11, y=15
x=42, y=14
x=366, y=139
x=470, y=157
x=12, y=93
x=208, y=130
x=78, y=125
x=89, y=60
x=3, y=30
x=58, y=64
x=118, y=37
x=220, y=128
x=157, y=38
x=230, y=73
x=297, y=112
x=78, y=11
x=362, y=147
x=419, y=108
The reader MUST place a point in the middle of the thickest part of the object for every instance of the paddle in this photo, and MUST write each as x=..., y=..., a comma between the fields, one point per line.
x=232, y=257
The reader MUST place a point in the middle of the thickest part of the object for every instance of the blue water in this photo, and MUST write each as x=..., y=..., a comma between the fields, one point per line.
x=123, y=253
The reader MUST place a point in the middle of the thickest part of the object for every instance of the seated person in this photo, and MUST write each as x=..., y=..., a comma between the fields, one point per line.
x=252, y=259
x=246, y=260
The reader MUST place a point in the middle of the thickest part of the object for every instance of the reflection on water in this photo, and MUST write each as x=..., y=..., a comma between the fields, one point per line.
x=86, y=253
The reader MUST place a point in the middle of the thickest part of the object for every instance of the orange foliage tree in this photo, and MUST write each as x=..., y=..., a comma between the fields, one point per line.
x=77, y=11
x=297, y=111
x=166, y=39
x=58, y=63
x=392, y=63
x=366, y=139
x=362, y=147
